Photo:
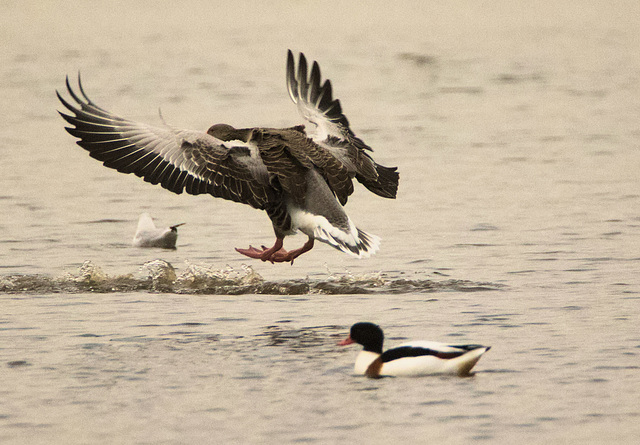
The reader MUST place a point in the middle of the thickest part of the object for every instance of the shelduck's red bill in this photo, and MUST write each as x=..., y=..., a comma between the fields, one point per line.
x=346, y=341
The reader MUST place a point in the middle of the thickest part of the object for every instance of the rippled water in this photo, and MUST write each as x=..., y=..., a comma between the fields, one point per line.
x=517, y=225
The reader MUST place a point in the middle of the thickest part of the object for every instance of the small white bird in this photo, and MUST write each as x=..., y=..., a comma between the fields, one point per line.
x=148, y=235
x=410, y=359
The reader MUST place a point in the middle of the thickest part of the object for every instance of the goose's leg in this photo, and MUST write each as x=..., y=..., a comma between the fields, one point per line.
x=282, y=256
x=264, y=254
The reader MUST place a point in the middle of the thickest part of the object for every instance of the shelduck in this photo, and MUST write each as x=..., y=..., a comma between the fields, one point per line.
x=301, y=178
x=418, y=358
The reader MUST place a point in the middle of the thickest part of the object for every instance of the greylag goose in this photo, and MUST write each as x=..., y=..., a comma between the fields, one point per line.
x=301, y=178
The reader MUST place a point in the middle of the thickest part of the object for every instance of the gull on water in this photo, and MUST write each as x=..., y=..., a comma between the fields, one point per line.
x=148, y=235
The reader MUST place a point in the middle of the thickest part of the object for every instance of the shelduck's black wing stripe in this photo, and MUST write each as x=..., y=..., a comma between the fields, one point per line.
x=412, y=351
x=179, y=160
x=467, y=348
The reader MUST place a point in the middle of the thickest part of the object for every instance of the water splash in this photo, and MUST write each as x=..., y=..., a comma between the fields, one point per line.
x=162, y=277
x=89, y=274
x=197, y=276
x=161, y=274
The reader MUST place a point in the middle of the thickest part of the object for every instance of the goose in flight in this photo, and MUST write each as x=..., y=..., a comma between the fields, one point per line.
x=302, y=177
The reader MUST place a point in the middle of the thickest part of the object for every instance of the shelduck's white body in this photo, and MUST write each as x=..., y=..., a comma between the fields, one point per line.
x=419, y=358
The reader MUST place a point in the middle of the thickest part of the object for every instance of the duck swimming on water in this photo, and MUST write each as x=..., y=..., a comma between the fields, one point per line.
x=414, y=359
x=301, y=177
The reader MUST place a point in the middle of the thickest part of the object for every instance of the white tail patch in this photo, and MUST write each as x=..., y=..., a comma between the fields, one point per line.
x=357, y=243
x=354, y=242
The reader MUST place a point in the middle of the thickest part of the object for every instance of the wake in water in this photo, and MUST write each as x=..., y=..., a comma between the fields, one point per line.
x=161, y=276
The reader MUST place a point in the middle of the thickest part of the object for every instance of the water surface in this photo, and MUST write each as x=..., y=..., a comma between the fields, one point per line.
x=517, y=225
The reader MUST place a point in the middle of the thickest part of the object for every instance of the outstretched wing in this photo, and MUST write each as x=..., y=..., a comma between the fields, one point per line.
x=179, y=160
x=316, y=104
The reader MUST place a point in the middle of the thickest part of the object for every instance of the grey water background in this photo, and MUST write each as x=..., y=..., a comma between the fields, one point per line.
x=515, y=127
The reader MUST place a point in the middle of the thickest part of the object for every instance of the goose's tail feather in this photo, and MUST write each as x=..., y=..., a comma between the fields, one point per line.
x=357, y=243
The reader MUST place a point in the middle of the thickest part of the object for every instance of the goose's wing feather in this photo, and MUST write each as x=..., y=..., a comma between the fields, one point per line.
x=331, y=128
x=315, y=101
x=179, y=160
x=290, y=154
